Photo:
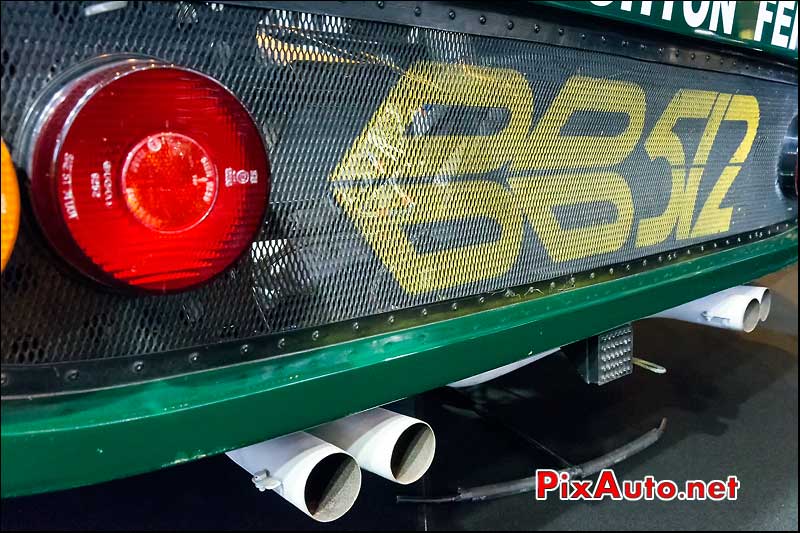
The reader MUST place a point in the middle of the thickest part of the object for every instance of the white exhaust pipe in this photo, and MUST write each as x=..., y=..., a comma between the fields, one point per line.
x=737, y=308
x=316, y=477
x=764, y=297
x=394, y=446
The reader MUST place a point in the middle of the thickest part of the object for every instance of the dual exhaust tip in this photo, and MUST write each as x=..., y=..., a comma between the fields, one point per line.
x=319, y=471
x=739, y=308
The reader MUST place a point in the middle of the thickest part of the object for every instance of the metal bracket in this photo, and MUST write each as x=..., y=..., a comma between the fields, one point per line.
x=263, y=482
x=605, y=357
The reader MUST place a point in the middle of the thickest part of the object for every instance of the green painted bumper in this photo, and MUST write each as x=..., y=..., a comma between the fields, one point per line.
x=50, y=444
x=744, y=30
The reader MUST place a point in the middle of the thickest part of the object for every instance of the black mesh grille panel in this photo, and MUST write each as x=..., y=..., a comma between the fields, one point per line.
x=409, y=166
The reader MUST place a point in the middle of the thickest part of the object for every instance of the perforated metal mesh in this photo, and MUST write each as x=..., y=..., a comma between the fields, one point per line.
x=615, y=353
x=408, y=166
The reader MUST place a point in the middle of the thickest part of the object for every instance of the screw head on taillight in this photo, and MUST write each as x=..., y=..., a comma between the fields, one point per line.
x=146, y=175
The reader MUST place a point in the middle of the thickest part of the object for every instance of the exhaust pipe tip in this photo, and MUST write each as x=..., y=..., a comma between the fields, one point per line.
x=738, y=308
x=752, y=315
x=413, y=453
x=332, y=487
x=318, y=478
x=766, y=305
x=394, y=446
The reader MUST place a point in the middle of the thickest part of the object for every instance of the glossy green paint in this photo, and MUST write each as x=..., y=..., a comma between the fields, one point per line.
x=50, y=444
x=742, y=34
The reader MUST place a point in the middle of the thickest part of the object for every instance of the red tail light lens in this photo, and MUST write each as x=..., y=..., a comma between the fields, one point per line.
x=147, y=175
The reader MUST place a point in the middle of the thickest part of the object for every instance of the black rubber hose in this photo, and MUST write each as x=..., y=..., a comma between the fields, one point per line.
x=528, y=484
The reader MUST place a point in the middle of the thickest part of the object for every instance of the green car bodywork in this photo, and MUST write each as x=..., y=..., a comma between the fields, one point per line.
x=72, y=440
x=745, y=28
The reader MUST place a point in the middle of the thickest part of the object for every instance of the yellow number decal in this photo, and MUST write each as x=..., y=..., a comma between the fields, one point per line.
x=712, y=218
x=387, y=159
x=385, y=213
x=664, y=142
x=540, y=195
x=395, y=185
x=385, y=150
x=698, y=165
x=547, y=148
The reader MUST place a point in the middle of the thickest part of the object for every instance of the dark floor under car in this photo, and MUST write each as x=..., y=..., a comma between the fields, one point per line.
x=731, y=401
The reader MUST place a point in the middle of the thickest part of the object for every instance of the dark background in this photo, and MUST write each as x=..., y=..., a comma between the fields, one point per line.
x=731, y=401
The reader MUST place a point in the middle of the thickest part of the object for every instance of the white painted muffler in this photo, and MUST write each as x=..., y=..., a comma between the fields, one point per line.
x=394, y=446
x=500, y=371
x=313, y=475
x=738, y=308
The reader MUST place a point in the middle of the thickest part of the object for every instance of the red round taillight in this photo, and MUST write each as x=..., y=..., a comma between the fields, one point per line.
x=147, y=175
